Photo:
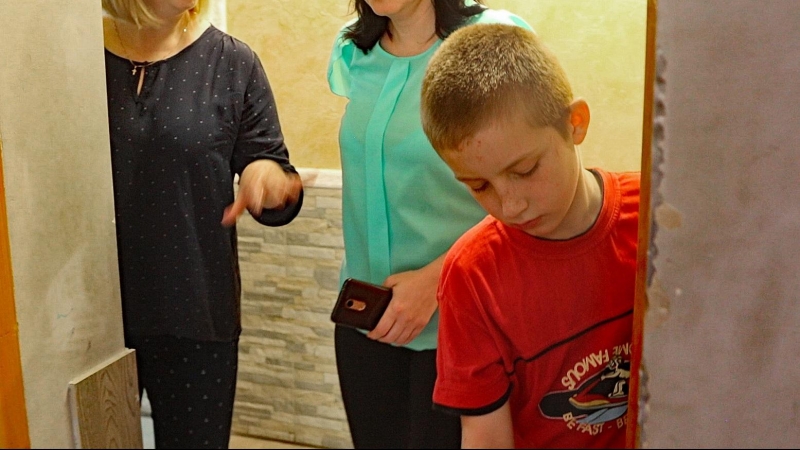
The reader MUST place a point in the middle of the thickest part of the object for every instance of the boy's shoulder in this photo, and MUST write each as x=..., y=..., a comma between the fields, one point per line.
x=474, y=247
x=629, y=186
x=629, y=180
x=624, y=183
x=481, y=244
x=621, y=199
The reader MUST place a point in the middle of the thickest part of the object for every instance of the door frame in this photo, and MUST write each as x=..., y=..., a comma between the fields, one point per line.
x=13, y=414
x=633, y=438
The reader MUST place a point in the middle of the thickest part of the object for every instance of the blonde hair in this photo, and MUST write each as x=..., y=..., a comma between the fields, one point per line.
x=483, y=73
x=137, y=12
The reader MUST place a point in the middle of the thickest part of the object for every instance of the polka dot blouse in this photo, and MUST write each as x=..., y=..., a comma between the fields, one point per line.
x=200, y=118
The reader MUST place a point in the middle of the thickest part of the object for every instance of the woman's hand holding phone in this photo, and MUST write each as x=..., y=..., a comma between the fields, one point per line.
x=412, y=306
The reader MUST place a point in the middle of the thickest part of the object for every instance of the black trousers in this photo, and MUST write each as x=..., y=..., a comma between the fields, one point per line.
x=387, y=393
x=191, y=386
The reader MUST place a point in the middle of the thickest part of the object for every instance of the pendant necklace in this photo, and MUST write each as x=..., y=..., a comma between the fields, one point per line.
x=136, y=67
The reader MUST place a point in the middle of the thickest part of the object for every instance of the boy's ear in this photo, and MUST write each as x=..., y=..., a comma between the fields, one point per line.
x=579, y=120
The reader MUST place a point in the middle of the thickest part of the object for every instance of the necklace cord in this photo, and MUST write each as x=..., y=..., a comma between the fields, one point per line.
x=128, y=54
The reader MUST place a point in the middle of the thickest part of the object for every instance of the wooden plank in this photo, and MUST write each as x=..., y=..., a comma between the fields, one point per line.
x=640, y=303
x=13, y=415
x=105, y=406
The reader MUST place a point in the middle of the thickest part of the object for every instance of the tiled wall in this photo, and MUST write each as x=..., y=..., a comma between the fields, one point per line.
x=288, y=388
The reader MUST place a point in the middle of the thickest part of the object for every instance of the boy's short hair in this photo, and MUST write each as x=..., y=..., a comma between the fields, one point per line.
x=137, y=12
x=486, y=72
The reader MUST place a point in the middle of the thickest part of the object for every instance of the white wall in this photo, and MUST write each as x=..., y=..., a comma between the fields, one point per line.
x=722, y=333
x=56, y=161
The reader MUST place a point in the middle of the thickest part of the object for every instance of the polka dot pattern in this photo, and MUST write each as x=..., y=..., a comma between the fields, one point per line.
x=191, y=386
x=201, y=116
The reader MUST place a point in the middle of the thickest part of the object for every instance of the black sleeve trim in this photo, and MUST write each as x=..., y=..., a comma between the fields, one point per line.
x=281, y=216
x=494, y=406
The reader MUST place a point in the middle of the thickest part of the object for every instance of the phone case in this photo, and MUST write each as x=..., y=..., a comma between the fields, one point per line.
x=361, y=304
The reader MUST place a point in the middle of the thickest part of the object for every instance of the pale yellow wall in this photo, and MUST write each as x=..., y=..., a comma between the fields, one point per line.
x=600, y=43
x=294, y=39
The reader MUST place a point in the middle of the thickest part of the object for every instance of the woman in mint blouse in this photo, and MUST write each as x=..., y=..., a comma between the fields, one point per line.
x=402, y=210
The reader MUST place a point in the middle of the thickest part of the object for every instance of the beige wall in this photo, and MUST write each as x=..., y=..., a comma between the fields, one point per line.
x=294, y=39
x=56, y=160
x=601, y=46
x=600, y=43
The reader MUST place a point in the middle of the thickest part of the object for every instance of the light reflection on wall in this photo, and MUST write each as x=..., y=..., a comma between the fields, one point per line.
x=600, y=44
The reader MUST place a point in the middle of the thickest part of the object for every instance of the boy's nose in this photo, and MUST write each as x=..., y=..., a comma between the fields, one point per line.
x=513, y=205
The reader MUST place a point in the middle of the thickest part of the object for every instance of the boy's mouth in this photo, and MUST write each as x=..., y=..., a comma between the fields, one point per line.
x=527, y=225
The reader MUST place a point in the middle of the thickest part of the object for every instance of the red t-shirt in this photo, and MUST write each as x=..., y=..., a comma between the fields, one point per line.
x=543, y=324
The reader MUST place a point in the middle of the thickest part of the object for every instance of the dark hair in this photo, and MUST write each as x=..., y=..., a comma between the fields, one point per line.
x=368, y=29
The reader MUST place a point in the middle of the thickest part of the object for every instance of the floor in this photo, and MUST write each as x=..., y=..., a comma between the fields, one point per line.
x=236, y=441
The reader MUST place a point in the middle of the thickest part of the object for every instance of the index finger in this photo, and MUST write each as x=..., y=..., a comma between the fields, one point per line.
x=233, y=211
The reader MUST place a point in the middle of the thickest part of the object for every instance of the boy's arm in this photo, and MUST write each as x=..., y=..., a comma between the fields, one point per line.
x=493, y=430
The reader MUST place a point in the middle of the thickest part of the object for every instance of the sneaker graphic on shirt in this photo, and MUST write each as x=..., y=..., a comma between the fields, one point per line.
x=605, y=390
x=601, y=398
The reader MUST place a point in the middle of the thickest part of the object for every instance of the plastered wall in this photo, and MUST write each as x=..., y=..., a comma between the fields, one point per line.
x=56, y=161
x=294, y=39
x=721, y=334
x=601, y=45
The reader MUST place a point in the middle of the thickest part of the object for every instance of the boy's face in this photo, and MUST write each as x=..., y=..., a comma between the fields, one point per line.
x=525, y=177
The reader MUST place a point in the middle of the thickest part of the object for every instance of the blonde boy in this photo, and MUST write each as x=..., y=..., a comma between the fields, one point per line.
x=536, y=300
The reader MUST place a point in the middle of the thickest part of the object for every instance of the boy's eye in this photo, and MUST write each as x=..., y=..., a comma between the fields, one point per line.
x=528, y=173
x=478, y=188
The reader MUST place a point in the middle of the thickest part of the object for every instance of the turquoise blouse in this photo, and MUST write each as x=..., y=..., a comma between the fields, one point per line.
x=401, y=206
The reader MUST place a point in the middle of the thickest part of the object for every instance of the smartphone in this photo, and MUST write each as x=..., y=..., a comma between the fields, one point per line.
x=361, y=304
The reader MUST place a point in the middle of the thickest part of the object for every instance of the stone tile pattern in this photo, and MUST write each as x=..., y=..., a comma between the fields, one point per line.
x=288, y=388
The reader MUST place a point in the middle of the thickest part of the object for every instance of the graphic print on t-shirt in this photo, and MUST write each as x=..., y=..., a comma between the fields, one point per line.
x=592, y=401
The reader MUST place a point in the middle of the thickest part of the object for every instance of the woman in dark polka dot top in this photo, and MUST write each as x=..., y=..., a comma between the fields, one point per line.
x=189, y=108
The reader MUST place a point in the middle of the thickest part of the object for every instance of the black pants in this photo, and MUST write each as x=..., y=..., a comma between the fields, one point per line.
x=387, y=393
x=191, y=386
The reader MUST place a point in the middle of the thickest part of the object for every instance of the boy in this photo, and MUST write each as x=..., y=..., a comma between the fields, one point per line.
x=536, y=300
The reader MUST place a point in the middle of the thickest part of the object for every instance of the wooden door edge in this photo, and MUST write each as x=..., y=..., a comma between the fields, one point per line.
x=14, y=431
x=633, y=437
